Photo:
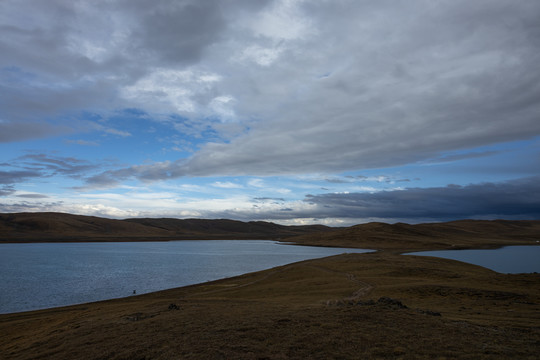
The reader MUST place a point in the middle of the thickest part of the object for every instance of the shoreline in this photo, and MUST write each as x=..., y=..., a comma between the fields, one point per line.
x=126, y=239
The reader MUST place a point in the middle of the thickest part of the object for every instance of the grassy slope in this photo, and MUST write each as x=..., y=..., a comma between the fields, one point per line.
x=316, y=309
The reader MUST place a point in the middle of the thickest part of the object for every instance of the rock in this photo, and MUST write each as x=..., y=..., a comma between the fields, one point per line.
x=174, y=307
x=395, y=304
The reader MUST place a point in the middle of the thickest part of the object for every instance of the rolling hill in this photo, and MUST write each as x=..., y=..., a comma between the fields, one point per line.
x=34, y=227
x=31, y=227
x=398, y=237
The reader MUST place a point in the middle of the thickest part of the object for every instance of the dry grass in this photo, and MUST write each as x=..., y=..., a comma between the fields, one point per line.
x=317, y=309
x=464, y=234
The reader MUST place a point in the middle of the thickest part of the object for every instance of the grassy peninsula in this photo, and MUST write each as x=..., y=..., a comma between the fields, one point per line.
x=379, y=305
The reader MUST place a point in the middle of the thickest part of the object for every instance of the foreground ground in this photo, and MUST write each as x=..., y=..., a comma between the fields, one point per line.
x=351, y=306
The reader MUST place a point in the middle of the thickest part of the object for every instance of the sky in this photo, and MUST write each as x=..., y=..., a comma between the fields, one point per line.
x=297, y=112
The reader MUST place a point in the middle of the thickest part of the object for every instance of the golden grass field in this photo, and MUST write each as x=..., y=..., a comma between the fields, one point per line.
x=378, y=305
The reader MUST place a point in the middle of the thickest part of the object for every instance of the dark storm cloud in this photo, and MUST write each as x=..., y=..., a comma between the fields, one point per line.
x=512, y=199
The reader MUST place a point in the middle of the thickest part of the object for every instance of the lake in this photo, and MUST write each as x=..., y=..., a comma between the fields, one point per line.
x=509, y=259
x=44, y=275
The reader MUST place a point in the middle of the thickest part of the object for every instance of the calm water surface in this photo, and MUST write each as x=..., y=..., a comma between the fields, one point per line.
x=510, y=259
x=36, y=276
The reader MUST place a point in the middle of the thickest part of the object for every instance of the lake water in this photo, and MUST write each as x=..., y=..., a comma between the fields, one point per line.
x=44, y=275
x=510, y=259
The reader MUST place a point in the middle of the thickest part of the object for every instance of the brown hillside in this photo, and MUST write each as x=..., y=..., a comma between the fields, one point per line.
x=67, y=227
x=225, y=227
x=451, y=235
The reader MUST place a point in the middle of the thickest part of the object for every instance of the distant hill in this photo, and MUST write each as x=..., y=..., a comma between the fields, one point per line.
x=49, y=226
x=460, y=234
x=39, y=227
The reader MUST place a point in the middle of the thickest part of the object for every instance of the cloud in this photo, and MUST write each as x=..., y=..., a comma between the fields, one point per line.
x=83, y=142
x=271, y=199
x=60, y=59
x=56, y=165
x=226, y=185
x=184, y=92
x=39, y=166
x=281, y=85
x=458, y=157
x=59, y=206
x=31, y=108
x=517, y=199
x=32, y=196
x=146, y=173
x=117, y=132
x=361, y=178
x=452, y=77
x=15, y=176
x=258, y=183
x=177, y=31
x=29, y=206
x=6, y=190
x=11, y=132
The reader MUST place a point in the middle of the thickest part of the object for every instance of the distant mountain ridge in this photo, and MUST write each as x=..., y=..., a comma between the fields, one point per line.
x=50, y=226
x=459, y=234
